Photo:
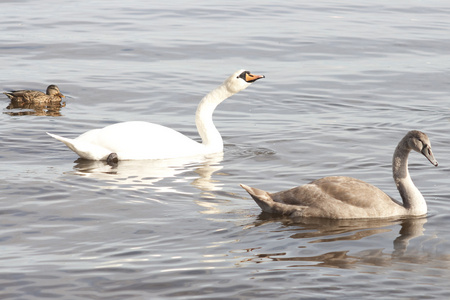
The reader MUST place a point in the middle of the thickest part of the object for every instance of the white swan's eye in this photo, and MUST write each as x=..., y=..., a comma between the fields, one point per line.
x=243, y=75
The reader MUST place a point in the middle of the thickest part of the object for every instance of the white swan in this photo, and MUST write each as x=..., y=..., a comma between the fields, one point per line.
x=340, y=197
x=143, y=140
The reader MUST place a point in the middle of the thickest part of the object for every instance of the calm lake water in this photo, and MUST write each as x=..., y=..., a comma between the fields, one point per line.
x=345, y=80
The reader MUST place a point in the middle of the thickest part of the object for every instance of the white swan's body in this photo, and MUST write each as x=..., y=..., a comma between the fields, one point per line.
x=340, y=197
x=142, y=140
x=133, y=140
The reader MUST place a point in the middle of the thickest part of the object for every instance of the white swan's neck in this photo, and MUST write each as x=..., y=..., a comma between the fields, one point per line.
x=412, y=198
x=211, y=137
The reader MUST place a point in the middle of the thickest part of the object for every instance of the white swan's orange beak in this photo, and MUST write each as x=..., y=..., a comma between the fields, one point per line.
x=252, y=78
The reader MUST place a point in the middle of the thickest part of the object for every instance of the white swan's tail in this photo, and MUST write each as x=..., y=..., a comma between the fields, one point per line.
x=267, y=204
x=68, y=142
x=83, y=149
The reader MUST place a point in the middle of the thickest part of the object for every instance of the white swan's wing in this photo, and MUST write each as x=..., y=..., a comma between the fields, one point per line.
x=142, y=140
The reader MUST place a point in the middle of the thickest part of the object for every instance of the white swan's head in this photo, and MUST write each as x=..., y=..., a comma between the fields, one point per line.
x=240, y=80
x=419, y=141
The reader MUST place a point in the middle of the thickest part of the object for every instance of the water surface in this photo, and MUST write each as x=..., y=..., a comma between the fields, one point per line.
x=344, y=82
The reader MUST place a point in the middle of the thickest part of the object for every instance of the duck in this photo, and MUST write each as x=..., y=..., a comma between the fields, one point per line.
x=52, y=94
x=139, y=140
x=341, y=197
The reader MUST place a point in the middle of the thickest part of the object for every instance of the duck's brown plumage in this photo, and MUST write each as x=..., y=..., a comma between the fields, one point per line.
x=29, y=96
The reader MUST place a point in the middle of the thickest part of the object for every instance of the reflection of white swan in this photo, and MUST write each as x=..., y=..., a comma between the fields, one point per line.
x=132, y=174
x=341, y=197
x=143, y=140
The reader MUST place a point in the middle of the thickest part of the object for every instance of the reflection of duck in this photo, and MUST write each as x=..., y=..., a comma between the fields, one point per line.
x=143, y=140
x=29, y=96
x=37, y=109
x=132, y=174
x=341, y=197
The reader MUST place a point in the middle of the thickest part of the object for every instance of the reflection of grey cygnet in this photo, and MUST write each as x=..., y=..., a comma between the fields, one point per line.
x=342, y=197
x=143, y=140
